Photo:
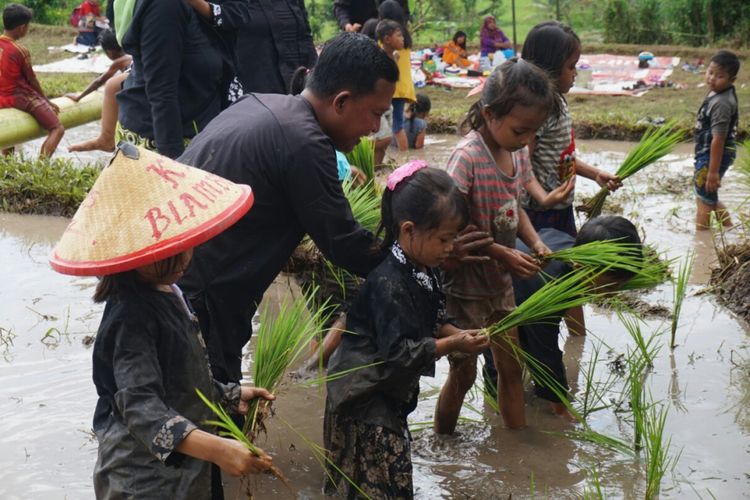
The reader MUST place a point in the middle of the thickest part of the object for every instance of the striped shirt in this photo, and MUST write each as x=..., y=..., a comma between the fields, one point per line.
x=554, y=157
x=493, y=205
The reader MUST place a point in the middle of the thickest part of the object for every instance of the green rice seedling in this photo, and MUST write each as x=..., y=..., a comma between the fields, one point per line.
x=678, y=293
x=588, y=435
x=655, y=143
x=592, y=490
x=655, y=270
x=228, y=428
x=594, y=397
x=363, y=157
x=364, y=202
x=279, y=343
x=573, y=289
x=602, y=254
x=638, y=405
x=648, y=349
x=658, y=461
x=743, y=166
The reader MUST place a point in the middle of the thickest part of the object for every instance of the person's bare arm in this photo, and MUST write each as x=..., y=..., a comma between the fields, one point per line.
x=604, y=179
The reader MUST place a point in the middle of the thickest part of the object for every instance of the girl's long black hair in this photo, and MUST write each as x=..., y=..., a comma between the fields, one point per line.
x=426, y=198
x=513, y=83
x=549, y=45
x=458, y=35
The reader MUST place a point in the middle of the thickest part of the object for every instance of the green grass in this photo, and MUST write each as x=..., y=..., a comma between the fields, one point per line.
x=678, y=294
x=52, y=187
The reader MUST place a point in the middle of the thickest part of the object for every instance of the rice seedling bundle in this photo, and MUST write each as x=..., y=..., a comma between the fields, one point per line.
x=279, y=343
x=573, y=289
x=654, y=271
x=655, y=143
x=602, y=254
x=365, y=203
x=228, y=428
x=363, y=157
x=657, y=450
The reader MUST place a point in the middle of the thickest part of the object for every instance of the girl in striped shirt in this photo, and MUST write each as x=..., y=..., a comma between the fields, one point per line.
x=490, y=166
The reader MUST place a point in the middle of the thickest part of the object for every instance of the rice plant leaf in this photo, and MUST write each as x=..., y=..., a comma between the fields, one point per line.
x=655, y=143
x=678, y=294
x=573, y=289
x=363, y=157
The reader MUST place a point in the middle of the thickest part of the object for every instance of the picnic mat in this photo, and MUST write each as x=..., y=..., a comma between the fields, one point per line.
x=95, y=62
x=610, y=74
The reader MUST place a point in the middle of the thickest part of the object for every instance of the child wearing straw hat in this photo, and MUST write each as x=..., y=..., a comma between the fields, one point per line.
x=136, y=230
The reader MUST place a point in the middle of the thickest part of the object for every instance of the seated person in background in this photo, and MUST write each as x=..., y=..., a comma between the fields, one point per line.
x=415, y=124
x=112, y=80
x=455, y=53
x=492, y=39
x=19, y=87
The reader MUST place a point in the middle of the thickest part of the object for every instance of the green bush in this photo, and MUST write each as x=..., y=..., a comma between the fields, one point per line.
x=619, y=21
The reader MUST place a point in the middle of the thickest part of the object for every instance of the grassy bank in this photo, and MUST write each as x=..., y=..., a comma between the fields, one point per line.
x=616, y=117
x=48, y=187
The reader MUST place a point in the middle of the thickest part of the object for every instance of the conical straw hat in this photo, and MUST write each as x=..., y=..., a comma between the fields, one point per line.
x=143, y=208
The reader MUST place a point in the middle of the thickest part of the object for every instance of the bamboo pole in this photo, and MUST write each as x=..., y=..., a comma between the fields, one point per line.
x=17, y=127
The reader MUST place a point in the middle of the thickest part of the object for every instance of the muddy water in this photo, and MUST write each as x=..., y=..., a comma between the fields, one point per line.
x=47, y=398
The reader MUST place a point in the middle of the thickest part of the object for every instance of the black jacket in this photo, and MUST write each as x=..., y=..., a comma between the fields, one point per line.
x=359, y=11
x=275, y=144
x=179, y=74
x=275, y=42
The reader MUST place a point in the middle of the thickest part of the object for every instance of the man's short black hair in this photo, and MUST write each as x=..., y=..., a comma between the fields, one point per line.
x=108, y=41
x=385, y=28
x=350, y=61
x=15, y=15
x=728, y=61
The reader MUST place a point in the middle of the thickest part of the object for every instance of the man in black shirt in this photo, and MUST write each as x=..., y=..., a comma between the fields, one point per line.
x=283, y=146
x=353, y=14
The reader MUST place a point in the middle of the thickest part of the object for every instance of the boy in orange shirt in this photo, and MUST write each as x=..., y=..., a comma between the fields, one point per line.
x=19, y=87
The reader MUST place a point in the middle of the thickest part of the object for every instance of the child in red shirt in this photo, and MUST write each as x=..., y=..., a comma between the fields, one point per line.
x=19, y=87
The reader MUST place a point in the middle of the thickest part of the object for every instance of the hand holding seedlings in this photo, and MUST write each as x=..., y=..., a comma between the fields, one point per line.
x=236, y=459
x=247, y=394
x=611, y=182
x=470, y=341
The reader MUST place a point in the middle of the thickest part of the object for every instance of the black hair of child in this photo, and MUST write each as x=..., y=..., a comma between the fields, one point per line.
x=111, y=285
x=15, y=15
x=350, y=61
x=390, y=9
x=728, y=61
x=458, y=35
x=385, y=28
x=513, y=83
x=369, y=27
x=549, y=45
x=108, y=41
x=426, y=198
x=423, y=105
x=611, y=228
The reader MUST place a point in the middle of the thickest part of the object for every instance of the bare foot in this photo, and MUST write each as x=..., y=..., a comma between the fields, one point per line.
x=562, y=411
x=98, y=144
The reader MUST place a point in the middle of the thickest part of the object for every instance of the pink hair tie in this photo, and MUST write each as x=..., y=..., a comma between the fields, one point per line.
x=404, y=172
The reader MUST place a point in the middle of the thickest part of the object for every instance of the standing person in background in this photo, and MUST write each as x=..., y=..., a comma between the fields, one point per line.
x=19, y=87
x=180, y=79
x=275, y=42
x=353, y=14
x=492, y=39
x=715, y=130
x=404, y=94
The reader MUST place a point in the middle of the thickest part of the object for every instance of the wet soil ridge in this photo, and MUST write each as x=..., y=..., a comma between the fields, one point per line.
x=731, y=280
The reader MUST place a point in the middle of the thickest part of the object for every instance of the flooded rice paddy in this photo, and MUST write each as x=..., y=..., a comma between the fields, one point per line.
x=47, y=450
